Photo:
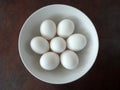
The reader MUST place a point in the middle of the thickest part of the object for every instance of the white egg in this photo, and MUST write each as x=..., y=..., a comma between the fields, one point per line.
x=58, y=44
x=49, y=61
x=76, y=42
x=48, y=29
x=65, y=28
x=39, y=45
x=69, y=60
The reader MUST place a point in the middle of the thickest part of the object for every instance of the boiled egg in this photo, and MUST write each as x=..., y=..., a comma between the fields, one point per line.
x=48, y=29
x=65, y=28
x=58, y=44
x=39, y=45
x=69, y=59
x=76, y=42
x=49, y=61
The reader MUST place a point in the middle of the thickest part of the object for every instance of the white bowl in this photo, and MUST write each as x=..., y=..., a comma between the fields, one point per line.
x=83, y=25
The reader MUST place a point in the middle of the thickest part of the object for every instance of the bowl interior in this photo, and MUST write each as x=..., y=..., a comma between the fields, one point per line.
x=83, y=25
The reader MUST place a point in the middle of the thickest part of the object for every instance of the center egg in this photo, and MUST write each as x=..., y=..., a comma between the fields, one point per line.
x=58, y=44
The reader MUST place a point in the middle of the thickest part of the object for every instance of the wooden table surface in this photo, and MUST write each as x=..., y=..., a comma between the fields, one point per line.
x=104, y=75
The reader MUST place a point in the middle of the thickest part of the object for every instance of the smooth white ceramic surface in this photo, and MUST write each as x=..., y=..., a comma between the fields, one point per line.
x=56, y=13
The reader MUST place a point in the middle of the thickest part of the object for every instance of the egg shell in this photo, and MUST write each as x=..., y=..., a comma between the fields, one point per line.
x=49, y=61
x=76, y=42
x=58, y=44
x=69, y=59
x=39, y=45
x=65, y=28
x=48, y=29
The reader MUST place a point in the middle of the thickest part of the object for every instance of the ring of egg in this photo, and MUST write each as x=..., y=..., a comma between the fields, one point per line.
x=58, y=44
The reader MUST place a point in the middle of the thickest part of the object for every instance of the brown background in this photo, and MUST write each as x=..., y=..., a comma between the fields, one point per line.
x=104, y=75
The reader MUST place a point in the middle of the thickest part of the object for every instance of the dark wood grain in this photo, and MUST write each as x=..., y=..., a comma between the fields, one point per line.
x=104, y=75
